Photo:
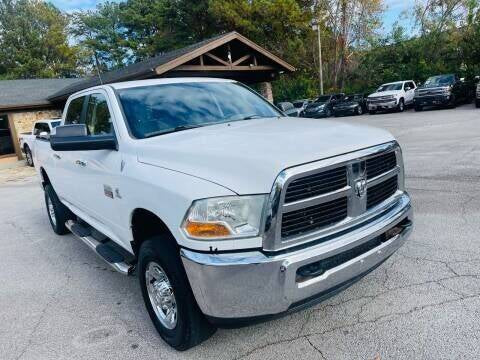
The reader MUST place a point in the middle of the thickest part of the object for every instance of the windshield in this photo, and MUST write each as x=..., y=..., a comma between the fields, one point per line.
x=322, y=99
x=440, y=80
x=388, y=87
x=54, y=124
x=159, y=109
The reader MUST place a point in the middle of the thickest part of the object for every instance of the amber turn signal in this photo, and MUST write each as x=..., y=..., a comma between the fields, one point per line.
x=206, y=230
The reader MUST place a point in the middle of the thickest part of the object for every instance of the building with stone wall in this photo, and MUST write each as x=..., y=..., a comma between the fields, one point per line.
x=22, y=102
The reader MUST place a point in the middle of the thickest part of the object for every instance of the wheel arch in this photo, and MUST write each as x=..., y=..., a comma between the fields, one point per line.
x=45, y=179
x=146, y=224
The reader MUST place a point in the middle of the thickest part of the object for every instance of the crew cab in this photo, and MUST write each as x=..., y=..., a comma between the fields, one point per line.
x=226, y=209
x=392, y=96
x=40, y=128
x=322, y=106
x=442, y=90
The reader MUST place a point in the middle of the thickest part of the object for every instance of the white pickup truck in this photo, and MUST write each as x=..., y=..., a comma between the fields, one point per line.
x=27, y=140
x=392, y=96
x=228, y=211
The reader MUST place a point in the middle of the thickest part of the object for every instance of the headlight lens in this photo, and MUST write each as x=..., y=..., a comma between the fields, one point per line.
x=225, y=217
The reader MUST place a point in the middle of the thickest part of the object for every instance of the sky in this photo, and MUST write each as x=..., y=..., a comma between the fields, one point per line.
x=394, y=9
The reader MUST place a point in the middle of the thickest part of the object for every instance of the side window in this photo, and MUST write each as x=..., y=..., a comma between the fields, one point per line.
x=37, y=129
x=44, y=128
x=98, y=119
x=74, y=112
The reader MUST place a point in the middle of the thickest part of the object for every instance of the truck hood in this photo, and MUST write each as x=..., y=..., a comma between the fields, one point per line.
x=246, y=156
x=384, y=93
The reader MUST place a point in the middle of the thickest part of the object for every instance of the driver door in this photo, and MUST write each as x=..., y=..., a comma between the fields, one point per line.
x=409, y=89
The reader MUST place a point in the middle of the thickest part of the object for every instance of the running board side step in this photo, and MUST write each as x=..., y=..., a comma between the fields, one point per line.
x=105, y=252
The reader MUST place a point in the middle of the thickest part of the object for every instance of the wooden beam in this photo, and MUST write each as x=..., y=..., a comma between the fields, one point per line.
x=224, y=68
x=242, y=59
x=201, y=60
x=216, y=58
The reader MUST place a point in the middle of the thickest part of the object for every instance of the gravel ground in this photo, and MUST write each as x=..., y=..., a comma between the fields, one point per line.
x=59, y=301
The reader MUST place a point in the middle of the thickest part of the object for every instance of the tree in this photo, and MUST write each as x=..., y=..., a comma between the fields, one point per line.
x=34, y=41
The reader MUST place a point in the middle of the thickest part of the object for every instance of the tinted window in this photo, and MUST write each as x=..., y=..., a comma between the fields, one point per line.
x=54, y=124
x=74, y=112
x=97, y=117
x=322, y=99
x=440, y=80
x=153, y=110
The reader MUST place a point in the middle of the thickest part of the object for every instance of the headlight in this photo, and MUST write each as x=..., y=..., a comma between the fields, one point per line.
x=225, y=217
x=320, y=107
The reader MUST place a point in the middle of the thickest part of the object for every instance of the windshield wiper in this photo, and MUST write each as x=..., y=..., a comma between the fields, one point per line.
x=172, y=130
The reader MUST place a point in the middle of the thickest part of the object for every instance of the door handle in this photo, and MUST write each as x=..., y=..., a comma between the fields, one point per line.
x=56, y=156
x=81, y=163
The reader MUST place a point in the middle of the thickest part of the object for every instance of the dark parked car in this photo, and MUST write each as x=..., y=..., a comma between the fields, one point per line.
x=443, y=90
x=287, y=108
x=322, y=106
x=354, y=104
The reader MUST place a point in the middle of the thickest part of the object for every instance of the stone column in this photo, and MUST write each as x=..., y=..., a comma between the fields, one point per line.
x=266, y=91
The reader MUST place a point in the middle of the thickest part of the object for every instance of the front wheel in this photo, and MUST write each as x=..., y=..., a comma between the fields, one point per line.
x=401, y=105
x=58, y=214
x=359, y=110
x=168, y=297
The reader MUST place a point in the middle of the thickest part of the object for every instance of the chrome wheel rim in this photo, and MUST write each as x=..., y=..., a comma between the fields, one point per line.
x=51, y=211
x=359, y=110
x=161, y=295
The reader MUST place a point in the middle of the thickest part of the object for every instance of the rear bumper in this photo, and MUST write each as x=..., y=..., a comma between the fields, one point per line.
x=236, y=286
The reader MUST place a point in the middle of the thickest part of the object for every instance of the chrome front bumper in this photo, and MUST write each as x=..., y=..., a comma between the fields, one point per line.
x=254, y=284
x=387, y=104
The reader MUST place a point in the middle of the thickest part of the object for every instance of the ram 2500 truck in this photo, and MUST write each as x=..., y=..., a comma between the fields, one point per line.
x=228, y=211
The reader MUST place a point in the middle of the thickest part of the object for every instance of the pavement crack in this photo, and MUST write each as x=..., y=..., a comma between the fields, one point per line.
x=316, y=348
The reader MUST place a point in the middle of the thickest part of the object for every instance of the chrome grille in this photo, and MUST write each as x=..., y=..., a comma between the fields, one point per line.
x=430, y=92
x=380, y=192
x=380, y=164
x=314, y=217
x=316, y=184
x=316, y=200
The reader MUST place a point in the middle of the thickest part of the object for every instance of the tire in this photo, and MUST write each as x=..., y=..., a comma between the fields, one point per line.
x=359, y=110
x=190, y=326
x=372, y=112
x=401, y=105
x=453, y=102
x=28, y=156
x=477, y=103
x=418, y=108
x=57, y=213
x=329, y=113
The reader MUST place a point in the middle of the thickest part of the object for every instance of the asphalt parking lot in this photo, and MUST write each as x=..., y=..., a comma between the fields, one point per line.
x=59, y=301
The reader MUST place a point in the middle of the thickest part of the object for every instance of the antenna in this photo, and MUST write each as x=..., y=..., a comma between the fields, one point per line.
x=97, y=66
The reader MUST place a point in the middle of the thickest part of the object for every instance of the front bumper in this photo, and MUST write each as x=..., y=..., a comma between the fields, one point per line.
x=437, y=100
x=384, y=105
x=253, y=284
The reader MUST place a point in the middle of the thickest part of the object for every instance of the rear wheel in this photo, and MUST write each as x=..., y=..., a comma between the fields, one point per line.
x=58, y=214
x=28, y=156
x=168, y=297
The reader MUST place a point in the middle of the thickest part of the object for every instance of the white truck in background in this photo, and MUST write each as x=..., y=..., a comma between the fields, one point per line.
x=392, y=96
x=40, y=128
x=228, y=210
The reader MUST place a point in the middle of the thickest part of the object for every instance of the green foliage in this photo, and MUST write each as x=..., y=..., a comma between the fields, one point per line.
x=34, y=41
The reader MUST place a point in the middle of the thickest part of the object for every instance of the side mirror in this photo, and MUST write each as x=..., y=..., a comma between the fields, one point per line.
x=408, y=88
x=75, y=138
x=43, y=135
